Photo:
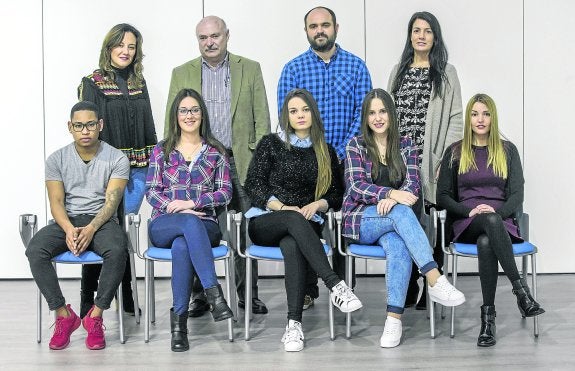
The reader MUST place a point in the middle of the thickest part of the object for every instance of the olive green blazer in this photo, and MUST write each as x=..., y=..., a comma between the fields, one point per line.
x=250, y=113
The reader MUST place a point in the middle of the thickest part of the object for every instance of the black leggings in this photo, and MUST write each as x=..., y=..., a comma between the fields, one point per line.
x=302, y=249
x=493, y=246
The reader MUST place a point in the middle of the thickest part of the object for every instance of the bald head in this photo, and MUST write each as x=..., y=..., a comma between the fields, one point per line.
x=213, y=35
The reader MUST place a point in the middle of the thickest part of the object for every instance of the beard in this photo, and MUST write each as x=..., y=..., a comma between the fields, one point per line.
x=326, y=46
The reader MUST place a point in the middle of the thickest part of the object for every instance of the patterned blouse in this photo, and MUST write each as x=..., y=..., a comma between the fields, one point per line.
x=360, y=188
x=412, y=100
x=206, y=182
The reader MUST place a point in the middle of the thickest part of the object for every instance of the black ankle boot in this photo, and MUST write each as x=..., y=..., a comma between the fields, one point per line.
x=218, y=305
x=527, y=305
x=487, y=333
x=179, y=327
x=86, y=302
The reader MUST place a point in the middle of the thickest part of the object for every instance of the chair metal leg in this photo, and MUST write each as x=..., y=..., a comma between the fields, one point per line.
x=147, y=304
x=431, y=311
x=454, y=273
x=229, y=296
x=39, y=317
x=121, y=314
x=330, y=311
x=135, y=288
x=152, y=293
x=446, y=273
x=248, y=298
x=349, y=262
x=534, y=284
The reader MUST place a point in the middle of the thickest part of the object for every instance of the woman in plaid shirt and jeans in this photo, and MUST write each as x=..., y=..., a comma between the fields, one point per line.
x=382, y=184
x=188, y=177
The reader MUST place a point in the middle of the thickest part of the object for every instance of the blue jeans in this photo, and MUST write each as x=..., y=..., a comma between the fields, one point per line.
x=135, y=190
x=403, y=240
x=191, y=240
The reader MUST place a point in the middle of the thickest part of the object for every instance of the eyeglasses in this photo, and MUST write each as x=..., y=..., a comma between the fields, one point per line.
x=78, y=126
x=194, y=111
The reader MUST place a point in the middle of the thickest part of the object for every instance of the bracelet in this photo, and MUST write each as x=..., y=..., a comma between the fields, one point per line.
x=281, y=208
x=388, y=194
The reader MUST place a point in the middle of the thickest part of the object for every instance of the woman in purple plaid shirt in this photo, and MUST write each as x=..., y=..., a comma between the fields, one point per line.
x=382, y=185
x=188, y=178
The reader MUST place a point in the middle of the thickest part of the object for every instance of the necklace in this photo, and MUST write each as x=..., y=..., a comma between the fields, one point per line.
x=189, y=154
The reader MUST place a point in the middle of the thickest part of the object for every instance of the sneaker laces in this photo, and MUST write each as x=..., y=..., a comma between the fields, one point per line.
x=344, y=292
x=293, y=333
x=97, y=326
x=58, y=325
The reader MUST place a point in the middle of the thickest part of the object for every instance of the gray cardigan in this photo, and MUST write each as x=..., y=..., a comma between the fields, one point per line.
x=443, y=126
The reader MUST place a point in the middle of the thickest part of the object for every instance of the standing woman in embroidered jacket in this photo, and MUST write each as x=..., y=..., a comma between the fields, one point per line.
x=382, y=185
x=428, y=100
x=481, y=187
x=292, y=181
x=188, y=177
x=119, y=90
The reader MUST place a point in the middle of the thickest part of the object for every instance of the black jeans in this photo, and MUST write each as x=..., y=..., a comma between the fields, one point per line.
x=110, y=242
x=302, y=249
x=493, y=246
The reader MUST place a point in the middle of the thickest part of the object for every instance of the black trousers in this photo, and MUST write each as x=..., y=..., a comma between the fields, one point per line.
x=299, y=241
x=493, y=247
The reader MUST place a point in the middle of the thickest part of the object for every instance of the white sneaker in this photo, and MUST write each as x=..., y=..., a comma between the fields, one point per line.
x=344, y=299
x=293, y=337
x=391, y=333
x=445, y=294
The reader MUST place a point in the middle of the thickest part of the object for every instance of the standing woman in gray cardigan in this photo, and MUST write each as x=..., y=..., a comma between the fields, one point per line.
x=428, y=99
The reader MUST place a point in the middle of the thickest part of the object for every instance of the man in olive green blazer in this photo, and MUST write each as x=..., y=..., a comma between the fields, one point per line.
x=233, y=89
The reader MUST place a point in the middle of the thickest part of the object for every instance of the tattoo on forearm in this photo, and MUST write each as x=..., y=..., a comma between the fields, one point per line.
x=113, y=198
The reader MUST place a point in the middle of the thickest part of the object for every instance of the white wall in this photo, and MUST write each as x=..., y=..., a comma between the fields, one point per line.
x=500, y=48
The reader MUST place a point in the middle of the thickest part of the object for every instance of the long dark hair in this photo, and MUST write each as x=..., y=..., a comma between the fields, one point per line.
x=174, y=130
x=437, y=55
x=393, y=157
x=113, y=38
x=317, y=136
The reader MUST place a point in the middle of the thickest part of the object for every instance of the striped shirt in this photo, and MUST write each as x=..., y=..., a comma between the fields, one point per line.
x=338, y=87
x=216, y=91
x=360, y=189
x=206, y=182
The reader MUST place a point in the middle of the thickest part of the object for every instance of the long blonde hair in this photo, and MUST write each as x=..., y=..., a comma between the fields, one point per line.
x=317, y=136
x=496, y=152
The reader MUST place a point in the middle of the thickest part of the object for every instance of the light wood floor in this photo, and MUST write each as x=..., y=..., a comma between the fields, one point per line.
x=210, y=349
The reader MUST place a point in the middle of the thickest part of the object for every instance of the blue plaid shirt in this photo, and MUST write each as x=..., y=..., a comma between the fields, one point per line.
x=338, y=87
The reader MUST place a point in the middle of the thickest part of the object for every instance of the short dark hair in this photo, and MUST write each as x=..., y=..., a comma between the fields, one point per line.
x=85, y=106
x=320, y=7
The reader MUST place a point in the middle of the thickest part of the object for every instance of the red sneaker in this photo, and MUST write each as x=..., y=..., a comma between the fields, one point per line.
x=95, y=327
x=63, y=328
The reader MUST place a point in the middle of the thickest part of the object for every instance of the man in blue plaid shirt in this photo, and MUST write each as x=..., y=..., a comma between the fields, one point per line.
x=338, y=80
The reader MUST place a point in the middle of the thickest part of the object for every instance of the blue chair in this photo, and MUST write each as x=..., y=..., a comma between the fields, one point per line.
x=351, y=250
x=524, y=250
x=271, y=253
x=156, y=254
x=28, y=227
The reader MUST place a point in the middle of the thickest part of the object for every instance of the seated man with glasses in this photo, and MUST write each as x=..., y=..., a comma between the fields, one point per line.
x=85, y=182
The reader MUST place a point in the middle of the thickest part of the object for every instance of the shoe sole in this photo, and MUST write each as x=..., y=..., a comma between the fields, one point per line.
x=298, y=349
x=389, y=345
x=448, y=303
x=76, y=326
x=95, y=347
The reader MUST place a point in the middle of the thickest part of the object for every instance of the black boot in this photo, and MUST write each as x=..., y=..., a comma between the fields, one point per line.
x=527, y=305
x=487, y=333
x=218, y=305
x=422, y=303
x=179, y=327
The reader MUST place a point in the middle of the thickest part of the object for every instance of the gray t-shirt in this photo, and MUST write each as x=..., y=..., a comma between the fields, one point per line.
x=85, y=184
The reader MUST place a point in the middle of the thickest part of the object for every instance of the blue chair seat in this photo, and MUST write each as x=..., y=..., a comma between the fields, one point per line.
x=471, y=249
x=273, y=252
x=366, y=251
x=87, y=257
x=158, y=253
